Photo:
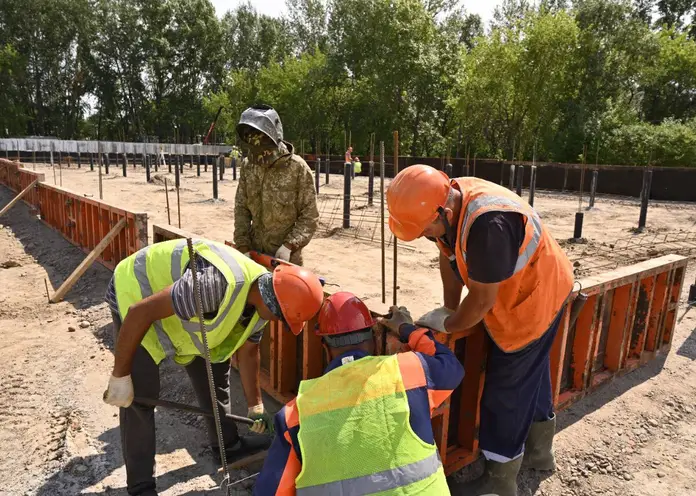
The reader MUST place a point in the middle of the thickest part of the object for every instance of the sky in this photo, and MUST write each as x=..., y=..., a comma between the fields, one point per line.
x=484, y=8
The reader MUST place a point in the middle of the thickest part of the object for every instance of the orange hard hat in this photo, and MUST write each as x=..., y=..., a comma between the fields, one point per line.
x=343, y=312
x=413, y=197
x=299, y=293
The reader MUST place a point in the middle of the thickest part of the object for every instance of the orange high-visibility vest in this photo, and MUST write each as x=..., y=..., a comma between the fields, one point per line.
x=531, y=298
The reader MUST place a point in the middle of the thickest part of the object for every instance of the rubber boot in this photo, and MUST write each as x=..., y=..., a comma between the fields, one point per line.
x=246, y=446
x=538, y=450
x=499, y=479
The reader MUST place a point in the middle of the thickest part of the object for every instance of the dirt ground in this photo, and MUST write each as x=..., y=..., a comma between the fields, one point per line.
x=633, y=437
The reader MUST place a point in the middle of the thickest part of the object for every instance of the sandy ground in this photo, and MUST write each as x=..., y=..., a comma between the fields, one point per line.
x=634, y=437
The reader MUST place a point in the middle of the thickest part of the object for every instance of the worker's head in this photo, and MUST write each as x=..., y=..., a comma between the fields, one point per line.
x=421, y=203
x=260, y=128
x=350, y=149
x=290, y=294
x=345, y=323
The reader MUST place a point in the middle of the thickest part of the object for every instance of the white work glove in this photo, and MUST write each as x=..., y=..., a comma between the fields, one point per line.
x=119, y=392
x=263, y=422
x=399, y=316
x=246, y=254
x=283, y=253
x=435, y=319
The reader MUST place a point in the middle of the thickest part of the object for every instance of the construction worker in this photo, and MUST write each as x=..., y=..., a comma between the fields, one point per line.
x=276, y=203
x=518, y=280
x=151, y=297
x=353, y=430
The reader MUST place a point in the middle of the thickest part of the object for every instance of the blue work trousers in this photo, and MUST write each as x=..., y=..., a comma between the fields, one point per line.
x=516, y=392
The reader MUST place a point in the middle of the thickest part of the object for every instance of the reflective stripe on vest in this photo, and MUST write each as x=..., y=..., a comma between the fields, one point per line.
x=224, y=335
x=486, y=201
x=381, y=481
x=355, y=434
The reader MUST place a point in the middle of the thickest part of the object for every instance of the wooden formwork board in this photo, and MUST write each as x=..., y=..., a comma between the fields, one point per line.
x=86, y=221
x=16, y=178
x=627, y=321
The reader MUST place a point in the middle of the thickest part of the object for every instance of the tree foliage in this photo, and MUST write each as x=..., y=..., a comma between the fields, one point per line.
x=553, y=79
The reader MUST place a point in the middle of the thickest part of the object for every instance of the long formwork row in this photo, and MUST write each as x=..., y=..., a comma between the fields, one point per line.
x=82, y=221
x=628, y=320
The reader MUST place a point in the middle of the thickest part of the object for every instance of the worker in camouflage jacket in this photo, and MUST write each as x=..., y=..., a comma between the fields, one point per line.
x=276, y=203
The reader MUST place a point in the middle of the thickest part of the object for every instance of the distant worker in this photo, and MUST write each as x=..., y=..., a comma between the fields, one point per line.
x=353, y=430
x=276, y=203
x=348, y=157
x=151, y=296
x=357, y=166
x=518, y=280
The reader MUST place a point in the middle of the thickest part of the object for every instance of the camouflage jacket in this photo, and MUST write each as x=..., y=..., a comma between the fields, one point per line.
x=275, y=204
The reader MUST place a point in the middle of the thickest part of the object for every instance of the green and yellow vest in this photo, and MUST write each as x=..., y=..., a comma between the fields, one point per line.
x=355, y=435
x=157, y=266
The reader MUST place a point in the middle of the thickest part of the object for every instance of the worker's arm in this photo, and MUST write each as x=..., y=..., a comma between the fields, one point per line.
x=443, y=369
x=249, y=370
x=283, y=463
x=451, y=285
x=242, y=214
x=474, y=307
x=308, y=219
x=136, y=324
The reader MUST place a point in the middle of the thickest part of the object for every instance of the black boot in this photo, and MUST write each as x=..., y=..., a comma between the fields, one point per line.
x=538, y=450
x=245, y=446
x=499, y=479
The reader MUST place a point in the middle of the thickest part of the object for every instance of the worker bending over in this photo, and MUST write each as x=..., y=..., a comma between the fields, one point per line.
x=518, y=282
x=276, y=204
x=364, y=426
x=151, y=297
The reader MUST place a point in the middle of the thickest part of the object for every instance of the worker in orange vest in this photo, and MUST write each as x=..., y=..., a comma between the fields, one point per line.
x=518, y=280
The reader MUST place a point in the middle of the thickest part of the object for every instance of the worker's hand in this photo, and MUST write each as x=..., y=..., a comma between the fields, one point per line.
x=399, y=316
x=283, y=253
x=263, y=420
x=119, y=392
x=435, y=319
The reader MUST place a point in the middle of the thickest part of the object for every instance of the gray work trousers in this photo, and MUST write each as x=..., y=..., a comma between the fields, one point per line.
x=137, y=422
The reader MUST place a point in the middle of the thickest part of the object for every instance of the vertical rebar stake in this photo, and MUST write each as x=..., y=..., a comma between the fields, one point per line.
x=208, y=365
x=396, y=244
x=381, y=194
x=166, y=194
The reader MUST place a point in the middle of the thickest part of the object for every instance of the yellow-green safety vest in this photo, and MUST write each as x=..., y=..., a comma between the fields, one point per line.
x=355, y=436
x=157, y=266
x=357, y=167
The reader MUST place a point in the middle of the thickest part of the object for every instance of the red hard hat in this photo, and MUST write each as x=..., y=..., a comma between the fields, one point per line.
x=413, y=197
x=343, y=312
x=299, y=293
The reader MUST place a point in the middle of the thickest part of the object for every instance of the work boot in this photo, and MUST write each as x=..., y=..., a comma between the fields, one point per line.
x=538, y=450
x=148, y=492
x=245, y=446
x=499, y=479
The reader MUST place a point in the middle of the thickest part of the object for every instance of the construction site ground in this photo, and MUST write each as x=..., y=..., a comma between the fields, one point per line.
x=636, y=436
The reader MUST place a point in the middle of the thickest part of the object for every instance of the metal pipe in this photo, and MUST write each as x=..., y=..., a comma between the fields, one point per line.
x=512, y=176
x=520, y=179
x=579, y=218
x=317, y=173
x=215, y=180
x=532, y=185
x=645, y=198
x=593, y=188
x=347, y=175
x=188, y=408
